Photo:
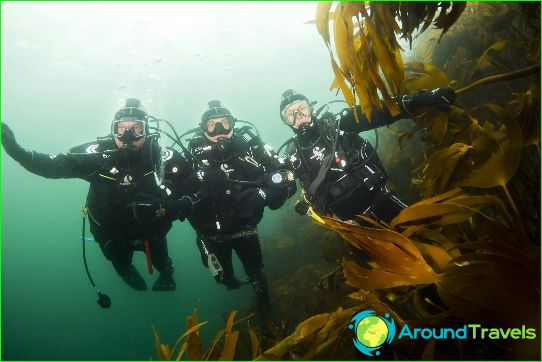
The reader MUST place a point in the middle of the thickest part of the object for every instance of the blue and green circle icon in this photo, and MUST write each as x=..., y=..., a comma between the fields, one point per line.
x=372, y=331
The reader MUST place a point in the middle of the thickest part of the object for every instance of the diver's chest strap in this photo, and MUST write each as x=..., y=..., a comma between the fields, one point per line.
x=324, y=168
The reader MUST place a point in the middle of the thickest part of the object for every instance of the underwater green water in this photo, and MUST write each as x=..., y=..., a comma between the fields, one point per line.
x=65, y=67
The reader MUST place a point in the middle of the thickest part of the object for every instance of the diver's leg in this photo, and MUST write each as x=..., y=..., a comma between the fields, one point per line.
x=121, y=258
x=249, y=252
x=386, y=205
x=162, y=262
x=222, y=251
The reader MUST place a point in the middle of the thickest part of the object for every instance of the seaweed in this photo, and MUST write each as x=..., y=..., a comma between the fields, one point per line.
x=192, y=344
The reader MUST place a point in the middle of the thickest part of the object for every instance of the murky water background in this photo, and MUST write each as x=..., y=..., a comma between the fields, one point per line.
x=65, y=68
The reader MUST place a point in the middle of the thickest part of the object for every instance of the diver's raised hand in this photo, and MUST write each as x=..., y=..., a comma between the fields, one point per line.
x=440, y=98
x=10, y=144
x=443, y=98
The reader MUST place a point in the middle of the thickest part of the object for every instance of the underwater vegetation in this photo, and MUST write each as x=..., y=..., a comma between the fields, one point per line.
x=467, y=249
x=190, y=341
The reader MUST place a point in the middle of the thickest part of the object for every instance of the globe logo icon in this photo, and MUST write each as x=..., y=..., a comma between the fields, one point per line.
x=371, y=331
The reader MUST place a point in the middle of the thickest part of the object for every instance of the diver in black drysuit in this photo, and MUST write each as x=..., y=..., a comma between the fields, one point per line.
x=241, y=176
x=119, y=168
x=340, y=172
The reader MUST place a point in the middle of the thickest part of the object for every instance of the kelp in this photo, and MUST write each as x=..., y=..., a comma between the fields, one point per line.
x=462, y=253
x=367, y=60
x=323, y=331
x=525, y=110
x=254, y=342
x=451, y=207
x=192, y=345
x=493, y=281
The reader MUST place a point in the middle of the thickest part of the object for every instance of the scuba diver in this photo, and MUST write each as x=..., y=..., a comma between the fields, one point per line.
x=340, y=172
x=240, y=176
x=119, y=167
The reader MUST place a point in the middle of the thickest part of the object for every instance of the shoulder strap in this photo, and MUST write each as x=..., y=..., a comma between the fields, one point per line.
x=326, y=163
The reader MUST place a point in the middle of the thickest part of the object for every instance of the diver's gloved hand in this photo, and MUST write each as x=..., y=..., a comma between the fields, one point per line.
x=11, y=146
x=440, y=98
x=443, y=98
x=170, y=209
x=253, y=200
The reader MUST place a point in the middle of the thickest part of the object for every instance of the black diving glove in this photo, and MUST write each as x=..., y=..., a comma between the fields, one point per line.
x=169, y=209
x=11, y=146
x=253, y=200
x=440, y=98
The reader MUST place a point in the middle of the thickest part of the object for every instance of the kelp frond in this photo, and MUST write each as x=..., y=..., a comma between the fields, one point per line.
x=190, y=341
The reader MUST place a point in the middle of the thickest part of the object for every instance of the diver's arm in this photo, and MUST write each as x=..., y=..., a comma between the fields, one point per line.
x=49, y=166
x=173, y=199
x=279, y=177
x=440, y=98
x=177, y=172
x=209, y=181
x=54, y=166
x=379, y=118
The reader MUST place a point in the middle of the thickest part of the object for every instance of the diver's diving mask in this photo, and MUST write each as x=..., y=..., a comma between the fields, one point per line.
x=218, y=126
x=295, y=110
x=128, y=129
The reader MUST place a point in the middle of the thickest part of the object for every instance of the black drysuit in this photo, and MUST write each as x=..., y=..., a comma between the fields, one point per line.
x=116, y=177
x=339, y=170
x=225, y=220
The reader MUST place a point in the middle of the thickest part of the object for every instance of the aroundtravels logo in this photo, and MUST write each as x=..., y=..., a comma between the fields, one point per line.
x=372, y=331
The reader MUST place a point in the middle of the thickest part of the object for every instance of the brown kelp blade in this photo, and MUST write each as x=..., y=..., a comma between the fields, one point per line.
x=423, y=76
x=308, y=330
x=230, y=344
x=230, y=338
x=322, y=20
x=188, y=332
x=162, y=350
x=395, y=260
x=450, y=211
x=440, y=166
x=500, y=168
x=194, y=339
x=255, y=343
x=181, y=352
